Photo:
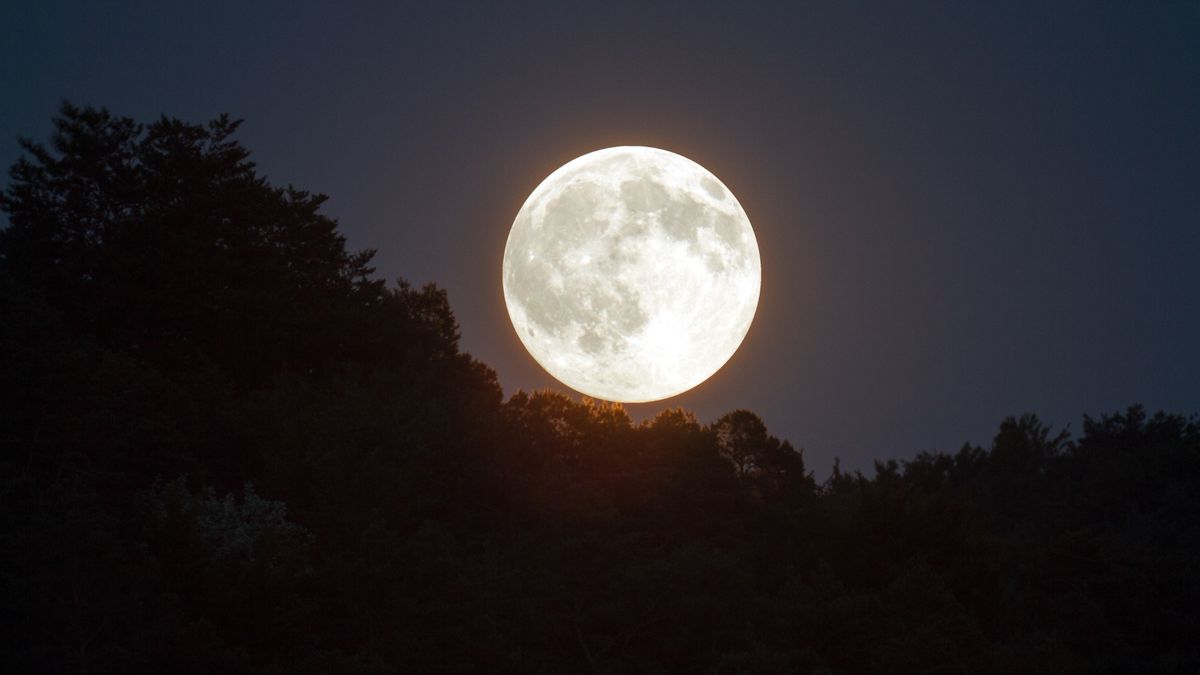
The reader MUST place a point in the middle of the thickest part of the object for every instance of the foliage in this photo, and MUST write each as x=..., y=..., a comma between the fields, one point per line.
x=227, y=449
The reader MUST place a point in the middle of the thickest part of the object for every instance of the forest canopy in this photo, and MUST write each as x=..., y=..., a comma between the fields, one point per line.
x=229, y=447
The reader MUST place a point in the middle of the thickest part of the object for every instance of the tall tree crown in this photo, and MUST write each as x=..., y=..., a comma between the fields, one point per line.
x=163, y=240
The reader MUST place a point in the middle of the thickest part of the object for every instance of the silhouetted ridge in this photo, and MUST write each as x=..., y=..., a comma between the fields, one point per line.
x=228, y=448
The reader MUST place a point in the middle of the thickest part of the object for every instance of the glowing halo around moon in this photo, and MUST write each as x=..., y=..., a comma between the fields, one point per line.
x=631, y=274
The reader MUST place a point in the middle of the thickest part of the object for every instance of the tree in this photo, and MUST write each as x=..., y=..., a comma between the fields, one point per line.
x=163, y=242
x=757, y=456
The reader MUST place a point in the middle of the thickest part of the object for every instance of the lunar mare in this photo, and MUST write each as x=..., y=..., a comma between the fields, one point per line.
x=631, y=274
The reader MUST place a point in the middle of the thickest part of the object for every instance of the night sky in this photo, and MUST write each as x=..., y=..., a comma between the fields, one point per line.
x=965, y=210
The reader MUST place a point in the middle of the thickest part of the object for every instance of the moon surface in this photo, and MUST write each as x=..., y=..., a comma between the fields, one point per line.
x=631, y=274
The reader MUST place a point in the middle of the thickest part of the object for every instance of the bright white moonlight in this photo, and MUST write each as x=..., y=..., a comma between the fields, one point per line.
x=631, y=274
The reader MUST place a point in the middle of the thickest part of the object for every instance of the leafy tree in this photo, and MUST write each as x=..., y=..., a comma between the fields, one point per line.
x=759, y=457
x=163, y=242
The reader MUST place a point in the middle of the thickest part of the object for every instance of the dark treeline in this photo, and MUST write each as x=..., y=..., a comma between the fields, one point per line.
x=228, y=448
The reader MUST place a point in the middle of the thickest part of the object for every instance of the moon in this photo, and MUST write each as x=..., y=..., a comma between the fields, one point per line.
x=631, y=274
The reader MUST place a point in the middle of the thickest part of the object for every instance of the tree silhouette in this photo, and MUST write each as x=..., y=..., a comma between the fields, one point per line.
x=161, y=239
x=225, y=447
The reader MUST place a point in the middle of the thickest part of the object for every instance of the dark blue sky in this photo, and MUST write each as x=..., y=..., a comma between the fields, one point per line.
x=966, y=210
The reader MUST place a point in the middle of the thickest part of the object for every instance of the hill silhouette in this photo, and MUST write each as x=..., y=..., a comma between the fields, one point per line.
x=227, y=447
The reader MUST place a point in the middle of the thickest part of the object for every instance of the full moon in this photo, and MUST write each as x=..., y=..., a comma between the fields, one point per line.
x=631, y=274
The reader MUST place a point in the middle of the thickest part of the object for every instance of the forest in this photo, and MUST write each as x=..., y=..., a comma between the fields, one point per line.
x=227, y=447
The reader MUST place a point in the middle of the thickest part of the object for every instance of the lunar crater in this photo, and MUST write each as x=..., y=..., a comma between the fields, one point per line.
x=631, y=274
